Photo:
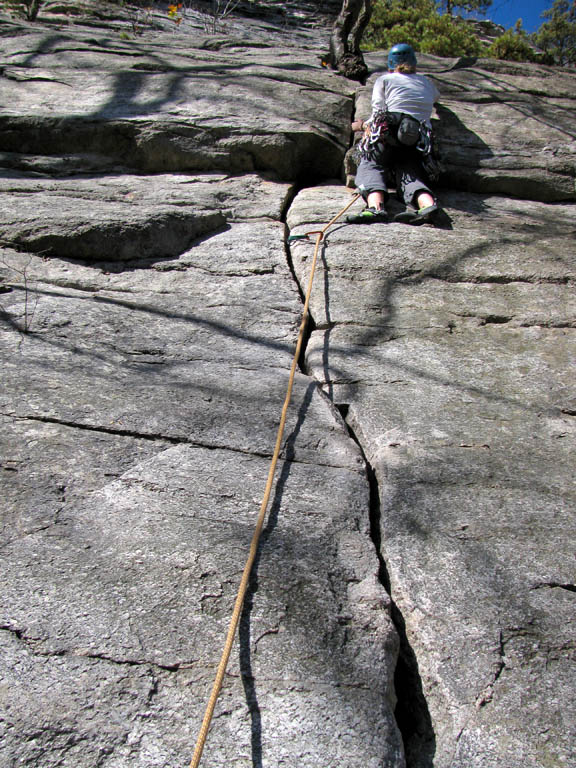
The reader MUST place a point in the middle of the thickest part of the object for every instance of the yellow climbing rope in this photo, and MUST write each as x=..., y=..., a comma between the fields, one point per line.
x=201, y=740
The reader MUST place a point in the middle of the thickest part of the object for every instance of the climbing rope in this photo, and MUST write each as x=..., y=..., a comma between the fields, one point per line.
x=202, y=735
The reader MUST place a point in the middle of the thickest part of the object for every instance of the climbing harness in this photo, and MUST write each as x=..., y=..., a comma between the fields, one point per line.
x=203, y=733
x=399, y=129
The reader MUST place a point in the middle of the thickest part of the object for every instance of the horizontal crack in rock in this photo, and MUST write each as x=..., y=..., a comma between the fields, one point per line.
x=32, y=642
x=96, y=428
x=168, y=439
x=554, y=585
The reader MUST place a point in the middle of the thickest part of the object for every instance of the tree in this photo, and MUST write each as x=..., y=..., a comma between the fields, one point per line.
x=397, y=21
x=468, y=6
x=557, y=36
x=447, y=36
x=345, y=55
x=418, y=23
x=513, y=45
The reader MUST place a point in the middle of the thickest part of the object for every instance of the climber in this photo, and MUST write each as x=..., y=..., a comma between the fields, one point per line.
x=398, y=138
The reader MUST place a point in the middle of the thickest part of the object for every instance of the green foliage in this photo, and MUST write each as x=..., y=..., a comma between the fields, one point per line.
x=513, y=45
x=396, y=22
x=557, y=36
x=419, y=24
x=468, y=6
x=445, y=36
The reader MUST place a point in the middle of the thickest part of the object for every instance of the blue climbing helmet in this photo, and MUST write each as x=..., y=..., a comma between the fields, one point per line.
x=401, y=53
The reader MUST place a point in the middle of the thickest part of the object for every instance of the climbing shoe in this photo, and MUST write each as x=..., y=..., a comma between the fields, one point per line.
x=423, y=216
x=369, y=216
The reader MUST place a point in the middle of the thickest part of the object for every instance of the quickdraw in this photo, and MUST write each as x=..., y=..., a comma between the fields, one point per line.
x=374, y=131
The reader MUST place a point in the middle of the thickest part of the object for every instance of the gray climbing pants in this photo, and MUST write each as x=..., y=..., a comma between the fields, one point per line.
x=403, y=162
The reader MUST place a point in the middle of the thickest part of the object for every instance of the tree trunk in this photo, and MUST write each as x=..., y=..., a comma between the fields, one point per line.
x=360, y=26
x=345, y=55
x=32, y=9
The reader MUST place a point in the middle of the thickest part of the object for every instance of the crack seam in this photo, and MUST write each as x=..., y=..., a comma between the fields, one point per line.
x=31, y=641
x=168, y=439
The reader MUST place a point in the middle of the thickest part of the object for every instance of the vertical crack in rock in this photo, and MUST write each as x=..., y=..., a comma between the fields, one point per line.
x=311, y=325
x=411, y=712
x=487, y=694
x=412, y=715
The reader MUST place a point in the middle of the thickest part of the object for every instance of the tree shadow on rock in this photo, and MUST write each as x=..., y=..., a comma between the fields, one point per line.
x=412, y=712
x=248, y=679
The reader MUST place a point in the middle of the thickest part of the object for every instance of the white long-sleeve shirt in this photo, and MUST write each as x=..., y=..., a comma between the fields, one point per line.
x=414, y=94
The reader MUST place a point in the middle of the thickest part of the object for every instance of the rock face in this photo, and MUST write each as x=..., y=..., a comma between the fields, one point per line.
x=412, y=601
x=450, y=352
x=171, y=105
x=149, y=321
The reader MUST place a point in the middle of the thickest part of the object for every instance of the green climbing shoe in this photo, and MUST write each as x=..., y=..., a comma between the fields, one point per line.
x=369, y=216
x=423, y=216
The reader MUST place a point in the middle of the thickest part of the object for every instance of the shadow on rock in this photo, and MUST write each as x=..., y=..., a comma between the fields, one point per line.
x=248, y=679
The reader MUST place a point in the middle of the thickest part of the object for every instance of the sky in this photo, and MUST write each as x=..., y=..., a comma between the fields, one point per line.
x=507, y=12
